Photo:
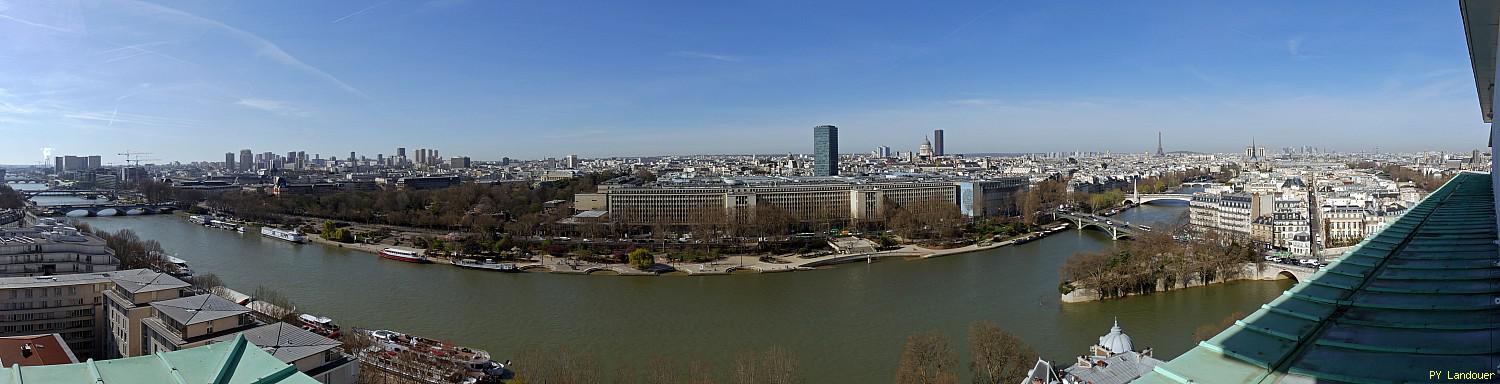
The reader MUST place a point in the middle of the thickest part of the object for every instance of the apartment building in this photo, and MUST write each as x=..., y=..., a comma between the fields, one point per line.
x=52, y=250
x=128, y=303
x=70, y=305
x=192, y=321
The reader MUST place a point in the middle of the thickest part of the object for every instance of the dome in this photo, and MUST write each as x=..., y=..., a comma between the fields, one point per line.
x=1116, y=341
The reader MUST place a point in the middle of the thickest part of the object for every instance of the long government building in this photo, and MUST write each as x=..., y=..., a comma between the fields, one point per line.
x=814, y=199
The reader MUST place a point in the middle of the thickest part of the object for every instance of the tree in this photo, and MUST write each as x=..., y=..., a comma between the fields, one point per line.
x=10, y=198
x=208, y=282
x=999, y=356
x=641, y=258
x=927, y=359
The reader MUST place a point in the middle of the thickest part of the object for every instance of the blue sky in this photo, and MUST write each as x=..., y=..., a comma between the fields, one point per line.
x=191, y=80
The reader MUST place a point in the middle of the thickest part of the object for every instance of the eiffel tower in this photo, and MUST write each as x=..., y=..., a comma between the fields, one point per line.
x=1159, y=151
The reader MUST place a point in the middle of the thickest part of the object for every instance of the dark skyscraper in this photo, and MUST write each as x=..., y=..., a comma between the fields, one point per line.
x=937, y=142
x=825, y=150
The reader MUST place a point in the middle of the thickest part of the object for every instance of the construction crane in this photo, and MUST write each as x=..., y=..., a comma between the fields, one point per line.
x=134, y=157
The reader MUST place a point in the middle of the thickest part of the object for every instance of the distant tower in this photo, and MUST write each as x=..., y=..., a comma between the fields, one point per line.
x=825, y=150
x=1159, y=151
x=937, y=142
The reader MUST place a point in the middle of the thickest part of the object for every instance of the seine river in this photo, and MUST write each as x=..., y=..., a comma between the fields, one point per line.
x=845, y=324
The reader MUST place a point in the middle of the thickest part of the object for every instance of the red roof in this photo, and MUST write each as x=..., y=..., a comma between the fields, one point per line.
x=45, y=349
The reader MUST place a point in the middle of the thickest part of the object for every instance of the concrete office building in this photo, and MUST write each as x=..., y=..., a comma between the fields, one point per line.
x=990, y=198
x=804, y=200
x=70, y=305
x=51, y=250
x=247, y=160
x=229, y=161
x=825, y=150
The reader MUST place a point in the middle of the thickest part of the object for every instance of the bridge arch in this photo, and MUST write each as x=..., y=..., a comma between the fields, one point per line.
x=1287, y=274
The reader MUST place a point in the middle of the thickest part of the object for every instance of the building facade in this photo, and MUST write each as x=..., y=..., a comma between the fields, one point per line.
x=841, y=203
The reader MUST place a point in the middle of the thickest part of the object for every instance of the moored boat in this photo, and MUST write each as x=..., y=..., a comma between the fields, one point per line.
x=319, y=325
x=487, y=264
x=281, y=234
x=405, y=255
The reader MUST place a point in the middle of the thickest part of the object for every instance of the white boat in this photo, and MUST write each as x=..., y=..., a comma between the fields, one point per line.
x=279, y=234
x=487, y=264
x=405, y=255
x=198, y=219
x=178, y=268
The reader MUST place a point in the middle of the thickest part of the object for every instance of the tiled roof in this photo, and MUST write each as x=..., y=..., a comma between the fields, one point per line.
x=234, y=362
x=1418, y=297
x=197, y=309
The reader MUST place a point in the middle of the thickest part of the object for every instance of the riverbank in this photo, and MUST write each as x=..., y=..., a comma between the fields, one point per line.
x=1251, y=271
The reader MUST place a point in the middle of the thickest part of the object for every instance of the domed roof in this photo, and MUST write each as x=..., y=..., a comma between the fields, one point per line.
x=1116, y=341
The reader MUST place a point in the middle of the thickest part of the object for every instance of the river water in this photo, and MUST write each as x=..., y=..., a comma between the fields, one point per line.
x=845, y=323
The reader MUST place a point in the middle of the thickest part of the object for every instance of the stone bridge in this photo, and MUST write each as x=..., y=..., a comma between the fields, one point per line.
x=1278, y=271
x=1116, y=230
x=108, y=209
x=109, y=194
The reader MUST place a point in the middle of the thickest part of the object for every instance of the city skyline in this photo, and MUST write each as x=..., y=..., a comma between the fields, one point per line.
x=475, y=79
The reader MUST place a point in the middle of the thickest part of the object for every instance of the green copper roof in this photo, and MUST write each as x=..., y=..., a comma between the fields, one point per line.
x=231, y=362
x=1423, y=295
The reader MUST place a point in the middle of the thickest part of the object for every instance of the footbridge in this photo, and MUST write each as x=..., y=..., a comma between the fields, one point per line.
x=108, y=209
x=1143, y=198
x=1116, y=230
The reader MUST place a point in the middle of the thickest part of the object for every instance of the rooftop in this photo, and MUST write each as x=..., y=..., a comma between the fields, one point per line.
x=153, y=281
x=197, y=309
x=1415, y=297
x=71, y=279
x=285, y=341
x=34, y=350
x=234, y=362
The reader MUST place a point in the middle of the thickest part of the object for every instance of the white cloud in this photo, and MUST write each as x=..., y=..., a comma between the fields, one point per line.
x=273, y=106
x=263, y=46
x=709, y=56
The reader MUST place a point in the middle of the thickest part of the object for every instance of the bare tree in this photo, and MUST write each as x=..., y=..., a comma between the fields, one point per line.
x=927, y=359
x=999, y=356
x=771, y=366
x=276, y=305
x=557, y=366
